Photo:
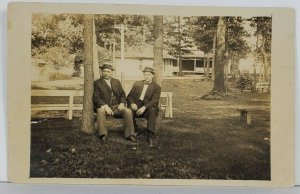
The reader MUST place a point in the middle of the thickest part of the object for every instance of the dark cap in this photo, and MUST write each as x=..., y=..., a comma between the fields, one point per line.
x=106, y=66
x=149, y=69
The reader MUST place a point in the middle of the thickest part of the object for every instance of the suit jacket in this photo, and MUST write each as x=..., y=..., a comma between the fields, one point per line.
x=152, y=94
x=103, y=93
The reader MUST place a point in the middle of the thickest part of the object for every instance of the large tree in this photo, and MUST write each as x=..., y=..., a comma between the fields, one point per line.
x=61, y=30
x=220, y=57
x=57, y=38
x=238, y=47
x=263, y=31
x=158, y=48
x=203, y=30
x=158, y=55
x=87, y=112
x=138, y=29
x=219, y=89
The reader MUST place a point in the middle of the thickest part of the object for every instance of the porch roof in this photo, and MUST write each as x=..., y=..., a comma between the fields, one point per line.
x=195, y=54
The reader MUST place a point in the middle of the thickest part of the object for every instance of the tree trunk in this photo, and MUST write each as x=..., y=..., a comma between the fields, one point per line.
x=204, y=65
x=226, y=77
x=158, y=56
x=87, y=112
x=95, y=54
x=220, y=60
x=213, y=58
x=234, y=68
x=207, y=65
x=179, y=47
x=158, y=48
x=255, y=64
x=265, y=61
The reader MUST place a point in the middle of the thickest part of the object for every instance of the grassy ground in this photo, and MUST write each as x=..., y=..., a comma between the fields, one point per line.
x=204, y=140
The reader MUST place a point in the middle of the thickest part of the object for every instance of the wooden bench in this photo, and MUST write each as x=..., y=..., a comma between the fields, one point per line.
x=262, y=87
x=70, y=106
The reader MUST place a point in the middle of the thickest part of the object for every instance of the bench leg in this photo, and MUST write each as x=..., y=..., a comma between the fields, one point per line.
x=169, y=108
x=249, y=122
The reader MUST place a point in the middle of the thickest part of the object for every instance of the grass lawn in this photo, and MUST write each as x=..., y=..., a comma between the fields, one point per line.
x=204, y=140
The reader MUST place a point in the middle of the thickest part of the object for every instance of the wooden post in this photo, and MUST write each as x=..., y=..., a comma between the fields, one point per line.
x=209, y=68
x=123, y=79
x=171, y=104
x=178, y=65
x=204, y=65
x=249, y=122
x=195, y=66
x=169, y=107
x=70, y=111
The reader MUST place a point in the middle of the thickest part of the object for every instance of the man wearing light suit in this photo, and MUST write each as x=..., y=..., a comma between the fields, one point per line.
x=143, y=100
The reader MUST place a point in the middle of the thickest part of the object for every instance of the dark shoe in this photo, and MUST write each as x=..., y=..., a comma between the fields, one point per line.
x=132, y=139
x=103, y=139
x=152, y=139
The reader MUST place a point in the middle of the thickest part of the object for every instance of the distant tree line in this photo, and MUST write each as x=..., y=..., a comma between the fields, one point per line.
x=56, y=37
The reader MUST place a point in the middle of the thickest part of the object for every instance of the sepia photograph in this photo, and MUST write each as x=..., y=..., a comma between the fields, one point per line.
x=150, y=96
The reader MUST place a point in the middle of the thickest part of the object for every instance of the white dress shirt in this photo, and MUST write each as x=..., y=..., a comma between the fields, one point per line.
x=108, y=82
x=144, y=91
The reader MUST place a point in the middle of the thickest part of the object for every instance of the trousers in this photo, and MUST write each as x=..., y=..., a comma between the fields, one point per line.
x=127, y=121
x=150, y=114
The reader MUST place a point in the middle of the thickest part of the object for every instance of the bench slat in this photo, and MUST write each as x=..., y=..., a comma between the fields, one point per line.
x=56, y=93
x=40, y=108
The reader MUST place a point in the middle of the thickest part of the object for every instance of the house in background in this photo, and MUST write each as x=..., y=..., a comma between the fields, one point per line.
x=137, y=58
x=193, y=63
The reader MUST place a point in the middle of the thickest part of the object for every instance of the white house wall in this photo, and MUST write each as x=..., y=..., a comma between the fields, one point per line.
x=132, y=68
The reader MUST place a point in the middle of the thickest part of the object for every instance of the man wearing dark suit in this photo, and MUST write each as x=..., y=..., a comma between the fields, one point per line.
x=109, y=99
x=143, y=100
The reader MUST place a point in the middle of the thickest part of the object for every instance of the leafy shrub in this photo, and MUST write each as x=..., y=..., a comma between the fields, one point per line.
x=245, y=82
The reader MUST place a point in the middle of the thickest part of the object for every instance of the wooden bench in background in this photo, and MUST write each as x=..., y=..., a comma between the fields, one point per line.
x=262, y=87
x=70, y=106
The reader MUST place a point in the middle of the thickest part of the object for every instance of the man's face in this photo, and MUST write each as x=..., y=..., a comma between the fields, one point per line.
x=106, y=73
x=148, y=76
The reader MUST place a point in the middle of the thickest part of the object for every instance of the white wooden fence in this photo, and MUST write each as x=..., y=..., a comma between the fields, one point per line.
x=70, y=106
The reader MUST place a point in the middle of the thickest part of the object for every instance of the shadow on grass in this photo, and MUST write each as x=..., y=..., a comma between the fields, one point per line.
x=210, y=149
